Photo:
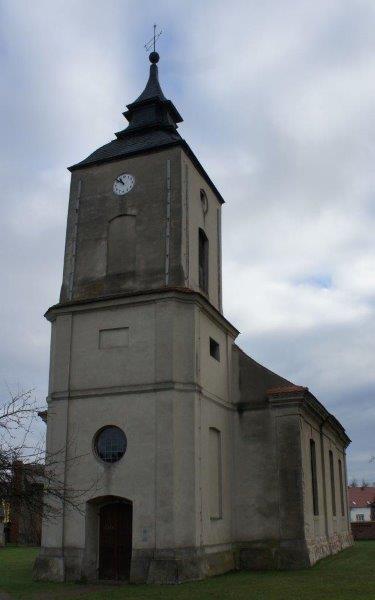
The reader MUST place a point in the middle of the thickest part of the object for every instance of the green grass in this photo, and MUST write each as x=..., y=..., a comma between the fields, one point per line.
x=349, y=575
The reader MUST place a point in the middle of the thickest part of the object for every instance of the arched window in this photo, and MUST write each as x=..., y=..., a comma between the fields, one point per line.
x=314, y=478
x=203, y=261
x=333, y=487
x=215, y=473
x=121, y=244
x=341, y=478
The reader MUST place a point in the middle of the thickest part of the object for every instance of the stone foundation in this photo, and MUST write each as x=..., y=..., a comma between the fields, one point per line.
x=180, y=565
x=265, y=555
x=166, y=567
x=319, y=548
x=49, y=568
x=190, y=564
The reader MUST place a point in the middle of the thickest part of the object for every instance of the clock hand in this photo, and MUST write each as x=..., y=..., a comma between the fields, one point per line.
x=119, y=180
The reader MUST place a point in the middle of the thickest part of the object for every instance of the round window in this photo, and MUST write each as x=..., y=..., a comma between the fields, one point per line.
x=110, y=444
x=204, y=202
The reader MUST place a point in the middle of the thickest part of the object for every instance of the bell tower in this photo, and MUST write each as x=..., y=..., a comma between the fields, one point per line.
x=143, y=213
x=140, y=370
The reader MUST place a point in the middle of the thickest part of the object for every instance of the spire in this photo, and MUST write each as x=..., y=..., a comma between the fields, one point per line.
x=151, y=110
x=152, y=88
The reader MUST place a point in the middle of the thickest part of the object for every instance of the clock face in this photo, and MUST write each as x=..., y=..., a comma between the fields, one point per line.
x=123, y=184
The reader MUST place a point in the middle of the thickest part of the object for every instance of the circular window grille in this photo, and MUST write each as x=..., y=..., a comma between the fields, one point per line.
x=110, y=444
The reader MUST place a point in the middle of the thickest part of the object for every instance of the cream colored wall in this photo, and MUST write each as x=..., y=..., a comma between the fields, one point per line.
x=94, y=367
x=160, y=346
x=193, y=219
x=314, y=524
x=210, y=414
x=133, y=388
x=156, y=474
x=158, y=480
x=214, y=408
x=339, y=523
x=214, y=376
x=165, y=391
x=324, y=524
x=52, y=529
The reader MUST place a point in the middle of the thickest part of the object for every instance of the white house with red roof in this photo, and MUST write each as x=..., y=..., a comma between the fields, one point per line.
x=361, y=504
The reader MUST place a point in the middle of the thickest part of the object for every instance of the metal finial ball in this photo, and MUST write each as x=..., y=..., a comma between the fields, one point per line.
x=154, y=57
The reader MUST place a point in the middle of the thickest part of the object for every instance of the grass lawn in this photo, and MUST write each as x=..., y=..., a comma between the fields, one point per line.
x=349, y=575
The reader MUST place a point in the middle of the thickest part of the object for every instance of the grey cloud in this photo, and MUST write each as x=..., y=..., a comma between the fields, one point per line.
x=278, y=104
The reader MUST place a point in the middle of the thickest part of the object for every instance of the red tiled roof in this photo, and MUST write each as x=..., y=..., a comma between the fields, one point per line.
x=361, y=497
x=286, y=389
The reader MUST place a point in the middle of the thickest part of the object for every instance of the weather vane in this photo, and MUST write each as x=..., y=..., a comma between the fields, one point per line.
x=152, y=42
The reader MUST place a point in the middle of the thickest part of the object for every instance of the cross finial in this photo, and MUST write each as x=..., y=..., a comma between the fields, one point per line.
x=152, y=42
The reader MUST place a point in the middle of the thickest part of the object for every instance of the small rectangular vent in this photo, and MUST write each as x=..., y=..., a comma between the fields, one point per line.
x=114, y=338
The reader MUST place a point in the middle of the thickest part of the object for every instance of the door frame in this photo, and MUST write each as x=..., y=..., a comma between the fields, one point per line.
x=129, y=515
x=90, y=568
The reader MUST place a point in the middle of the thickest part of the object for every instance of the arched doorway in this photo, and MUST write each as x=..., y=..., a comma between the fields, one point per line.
x=115, y=540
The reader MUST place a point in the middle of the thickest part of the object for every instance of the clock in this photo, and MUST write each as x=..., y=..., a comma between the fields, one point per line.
x=123, y=184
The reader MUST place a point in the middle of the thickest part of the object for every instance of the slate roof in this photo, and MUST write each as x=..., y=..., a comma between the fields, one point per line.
x=259, y=384
x=361, y=497
x=257, y=380
x=134, y=144
x=152, y=88
x=152, y=124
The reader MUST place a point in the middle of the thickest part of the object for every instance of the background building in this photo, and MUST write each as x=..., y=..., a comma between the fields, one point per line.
x=361, y=503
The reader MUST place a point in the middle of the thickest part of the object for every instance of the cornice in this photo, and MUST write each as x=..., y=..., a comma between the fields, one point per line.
x=140, y=297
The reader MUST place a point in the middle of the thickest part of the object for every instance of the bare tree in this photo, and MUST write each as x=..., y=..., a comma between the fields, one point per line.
x=353, y=483
x=32, y=480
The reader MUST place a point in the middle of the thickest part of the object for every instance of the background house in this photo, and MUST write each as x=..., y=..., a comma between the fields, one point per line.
x=24, y=516
x=361, y=504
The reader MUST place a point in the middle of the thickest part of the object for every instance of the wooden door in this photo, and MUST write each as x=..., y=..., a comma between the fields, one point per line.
x=115, y=541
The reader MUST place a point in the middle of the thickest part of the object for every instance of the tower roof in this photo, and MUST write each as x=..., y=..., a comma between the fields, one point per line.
x=152, y=89
x=153, y=122
x=151, y=109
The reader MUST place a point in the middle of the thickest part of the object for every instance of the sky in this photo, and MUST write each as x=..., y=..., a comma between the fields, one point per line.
x=278, y=101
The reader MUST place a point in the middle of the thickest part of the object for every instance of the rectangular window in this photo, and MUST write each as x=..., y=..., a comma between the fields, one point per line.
x=203, y=261
x=314, y=479
x=360, y=517
x=214, y=349
x=341, y=489
x=333, y=488
x=215, y=477
x=114, y=338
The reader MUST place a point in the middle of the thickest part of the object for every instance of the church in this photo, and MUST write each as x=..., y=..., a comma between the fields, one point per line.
x=192, y=458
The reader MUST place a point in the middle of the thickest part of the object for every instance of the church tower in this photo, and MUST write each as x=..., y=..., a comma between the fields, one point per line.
x=139, y=343
x=143, y=213
x=180, y=456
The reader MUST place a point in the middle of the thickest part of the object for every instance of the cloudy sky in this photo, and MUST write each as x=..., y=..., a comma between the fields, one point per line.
x=278, y=99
